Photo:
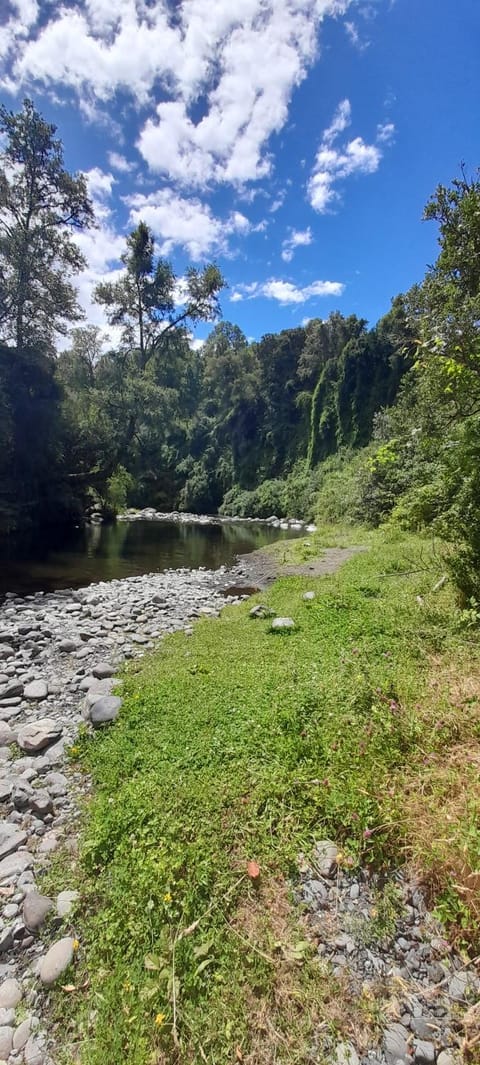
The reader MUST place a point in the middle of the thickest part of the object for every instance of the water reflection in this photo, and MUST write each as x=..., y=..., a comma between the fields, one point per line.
x=101, y=553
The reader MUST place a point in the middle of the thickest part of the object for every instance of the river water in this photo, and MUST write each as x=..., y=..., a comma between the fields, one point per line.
x=105, y=552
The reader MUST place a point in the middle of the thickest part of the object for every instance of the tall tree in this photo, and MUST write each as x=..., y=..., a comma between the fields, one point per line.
x=40, y=205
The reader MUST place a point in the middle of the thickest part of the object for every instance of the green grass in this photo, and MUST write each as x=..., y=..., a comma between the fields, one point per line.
x=238, y=744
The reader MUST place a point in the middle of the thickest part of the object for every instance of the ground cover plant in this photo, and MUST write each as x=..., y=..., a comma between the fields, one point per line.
x=235, y=750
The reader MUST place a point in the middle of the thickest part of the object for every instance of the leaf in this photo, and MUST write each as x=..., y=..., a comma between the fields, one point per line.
x=203, y=965
x=68, y=987
x=253, y=870
x=202, y=950
x=152, y=962
x=238, y=1054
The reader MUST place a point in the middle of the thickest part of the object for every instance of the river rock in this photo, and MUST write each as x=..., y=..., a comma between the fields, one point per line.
x=308, y=596
x=6, y=1040
x=22, y=1034
x=14, y=864
x=10, y=994
x=396, y=1044
x=68, y=646
x=11, y=838
x=12, y=690
x=65, y=902
x=424, y=1052
x=6, y=651
x=41, y=804
x=39, y=734
x=282, y=624
x=103, y=670
x=105, y=710
x=346, y=1054
x=7, y=735
x=56, y=960
x=35, y=909
x=34, y=1053
x=459, y=986
x=37, y=689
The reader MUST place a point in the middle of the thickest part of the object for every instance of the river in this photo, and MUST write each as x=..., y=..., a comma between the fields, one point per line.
x=127, y=549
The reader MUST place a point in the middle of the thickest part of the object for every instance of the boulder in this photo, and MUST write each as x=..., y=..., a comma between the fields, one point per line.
x=103, y=670
x=282, y=624
x=105, y=710
x=39, y=734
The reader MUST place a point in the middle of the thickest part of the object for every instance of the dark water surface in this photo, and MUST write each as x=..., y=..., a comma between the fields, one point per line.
x=105, y=552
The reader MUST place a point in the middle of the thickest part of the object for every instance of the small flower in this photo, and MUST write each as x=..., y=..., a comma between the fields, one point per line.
x=368, y=832
x=75, y=945
x=160, y=1020
x=167, y=897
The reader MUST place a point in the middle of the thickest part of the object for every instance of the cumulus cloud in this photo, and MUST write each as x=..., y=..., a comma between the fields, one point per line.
x=120, y=163
x=334, y=164
x=285, y=292
x=101, y=247
x=188, y=223
x=297, y=238
x=239, y=63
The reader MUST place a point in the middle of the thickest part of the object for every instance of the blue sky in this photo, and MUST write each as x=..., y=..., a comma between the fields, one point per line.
x=293, y=141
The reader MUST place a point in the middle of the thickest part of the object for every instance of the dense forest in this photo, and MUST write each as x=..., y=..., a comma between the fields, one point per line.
x=333, y=419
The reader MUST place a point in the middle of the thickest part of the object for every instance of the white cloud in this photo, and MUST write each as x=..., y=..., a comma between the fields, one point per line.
x=334, y=164
x=285, y=292
x=119, y=162
x=298, y=238
x=240, y=62
x=341, y=119
x=385, y=132
x=188, y=223
x=355, y=38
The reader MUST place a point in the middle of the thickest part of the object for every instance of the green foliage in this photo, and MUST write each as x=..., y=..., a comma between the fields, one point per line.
x=232, y=745
x=118, y=487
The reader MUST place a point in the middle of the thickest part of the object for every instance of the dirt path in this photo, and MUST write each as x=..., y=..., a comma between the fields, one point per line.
x=260, y=568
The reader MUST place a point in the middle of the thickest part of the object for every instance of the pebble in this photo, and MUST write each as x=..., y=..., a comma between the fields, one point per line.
x=10, y=994
x=56, y=960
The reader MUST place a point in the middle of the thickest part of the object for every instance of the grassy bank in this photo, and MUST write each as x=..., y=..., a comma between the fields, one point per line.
x=236, y=744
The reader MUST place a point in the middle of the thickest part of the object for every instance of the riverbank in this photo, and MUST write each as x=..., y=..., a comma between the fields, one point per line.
x=59, y=653
x=238, y=747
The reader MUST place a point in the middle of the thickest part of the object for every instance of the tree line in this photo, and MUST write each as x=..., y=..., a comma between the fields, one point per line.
x=377, y=424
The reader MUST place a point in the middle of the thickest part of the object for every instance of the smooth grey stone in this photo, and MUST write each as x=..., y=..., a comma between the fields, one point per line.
x=6, y=651
x=65, y=902
x=7, y=735
x=38, y=689
x=11, y=691
x=56, y=960
x=10, y=994
x=103, y=670
x=7, y=1016
x=445, y=1058
x=34, y=1054
x=396, y=1044
x=354, y=891
x=41, y=804
x=67, y=646
x=6, y=939
x=39, y=734
x=424, y=1028
x=11, y=838
x=21, y=1034
x=6, y=1041
x=14, y=864
x=35, y=909
x=279, y=624
x=424, y=1052
x=308, y=596
x=105, y=710
x=261, y=611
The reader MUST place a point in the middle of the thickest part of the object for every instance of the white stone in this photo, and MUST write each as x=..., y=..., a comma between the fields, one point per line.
x=10, y=994
x=38, y=689
x=278, y=624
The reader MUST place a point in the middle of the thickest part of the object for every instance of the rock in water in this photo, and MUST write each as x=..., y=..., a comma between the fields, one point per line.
x=56, y=960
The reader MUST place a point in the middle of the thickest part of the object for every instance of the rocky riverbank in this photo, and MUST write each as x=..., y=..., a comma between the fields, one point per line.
x=59, y=656
x=59, y=653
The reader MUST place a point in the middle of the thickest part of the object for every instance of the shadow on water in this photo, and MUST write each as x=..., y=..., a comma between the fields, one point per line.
x=105, y=552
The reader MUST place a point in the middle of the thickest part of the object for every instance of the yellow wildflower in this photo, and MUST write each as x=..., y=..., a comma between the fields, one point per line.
x=75, y=944
x=167, y=897
x=159, y=1019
